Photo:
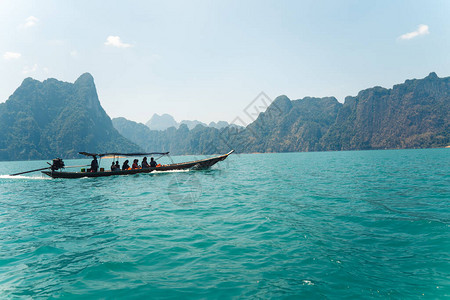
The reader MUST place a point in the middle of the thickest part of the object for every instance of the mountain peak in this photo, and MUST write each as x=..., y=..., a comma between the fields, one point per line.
x=162, y=122
x=85, y=79
x=432, y=75
x=28, y=81
x=56, y=118
x=282, y=103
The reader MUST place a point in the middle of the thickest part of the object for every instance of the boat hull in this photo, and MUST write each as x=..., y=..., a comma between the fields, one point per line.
x=197, y=165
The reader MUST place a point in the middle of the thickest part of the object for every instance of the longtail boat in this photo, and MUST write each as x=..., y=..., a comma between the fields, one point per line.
x=56, y=169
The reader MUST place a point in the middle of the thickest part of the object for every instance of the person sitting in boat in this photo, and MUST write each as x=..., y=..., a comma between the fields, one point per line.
x=113, y=167
x=125, y=165
x=94, y=165
x=145, y=164
x=152, y=163
x=117, y=166
x=135, y=164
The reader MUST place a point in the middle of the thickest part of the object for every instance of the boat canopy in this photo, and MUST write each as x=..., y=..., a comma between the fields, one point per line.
x=123, y=154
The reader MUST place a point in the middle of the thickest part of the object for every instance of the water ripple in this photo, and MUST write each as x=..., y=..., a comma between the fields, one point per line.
x=367, y=224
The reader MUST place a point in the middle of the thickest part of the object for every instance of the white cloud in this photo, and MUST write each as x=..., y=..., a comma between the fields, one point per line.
x=74, y=53
x=30, y=22
x=421, y=30
x=28, y=70
x=115, y=41
x=11, y=55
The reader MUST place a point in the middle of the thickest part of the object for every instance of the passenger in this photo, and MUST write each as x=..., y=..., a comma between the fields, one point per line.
x=135, y=164
x=117, y=166
x=152, y=163
x=145, y=164
x=125, y=165
x=113, y=167
x=94, y=165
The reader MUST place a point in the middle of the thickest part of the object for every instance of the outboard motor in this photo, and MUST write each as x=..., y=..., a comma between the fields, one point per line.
x=57, y=164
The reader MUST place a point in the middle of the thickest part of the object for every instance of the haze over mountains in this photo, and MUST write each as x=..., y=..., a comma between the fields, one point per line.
x=43, y=120
x=414, y=114
x=165, y=121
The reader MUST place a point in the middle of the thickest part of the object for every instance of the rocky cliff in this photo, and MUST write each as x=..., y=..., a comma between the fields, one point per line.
x=42, y=120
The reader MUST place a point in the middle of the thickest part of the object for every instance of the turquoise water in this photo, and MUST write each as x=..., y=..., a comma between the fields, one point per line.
x=366, y=224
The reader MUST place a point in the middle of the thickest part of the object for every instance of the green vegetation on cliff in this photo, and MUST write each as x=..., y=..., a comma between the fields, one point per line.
x=42, y=120
x=200, y=140
x=415, y=114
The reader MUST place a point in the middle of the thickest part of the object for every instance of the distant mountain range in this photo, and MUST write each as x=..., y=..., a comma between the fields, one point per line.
x=165, y=121
x=414, y=114
x=43, y=120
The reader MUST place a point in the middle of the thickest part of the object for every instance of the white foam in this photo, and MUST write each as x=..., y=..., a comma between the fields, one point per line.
x=23, y=177
x=47, y=178
x=307, y=282
x=170, y=171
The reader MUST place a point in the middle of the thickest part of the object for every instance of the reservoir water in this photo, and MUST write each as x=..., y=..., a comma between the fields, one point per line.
x=356, y=224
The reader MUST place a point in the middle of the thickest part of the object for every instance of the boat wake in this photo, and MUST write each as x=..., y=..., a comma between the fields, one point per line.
x=23, y=177
x=170, y=171
x=151, y=173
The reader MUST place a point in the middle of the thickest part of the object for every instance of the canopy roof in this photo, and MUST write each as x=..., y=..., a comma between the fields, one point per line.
x=123, y=154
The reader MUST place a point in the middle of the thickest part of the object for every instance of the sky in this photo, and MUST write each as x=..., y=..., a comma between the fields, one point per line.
x=207, y=60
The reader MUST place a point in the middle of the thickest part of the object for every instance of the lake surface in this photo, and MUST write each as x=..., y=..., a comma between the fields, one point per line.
x=356, y=224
